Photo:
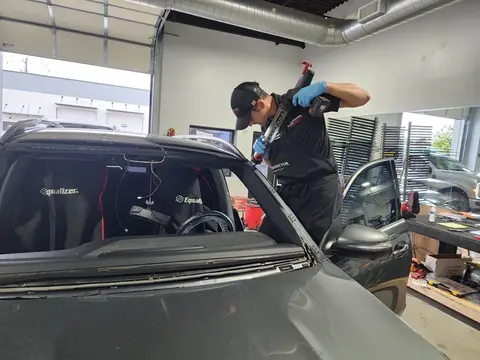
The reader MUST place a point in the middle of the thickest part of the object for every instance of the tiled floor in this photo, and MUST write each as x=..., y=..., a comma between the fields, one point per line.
x=457, y=339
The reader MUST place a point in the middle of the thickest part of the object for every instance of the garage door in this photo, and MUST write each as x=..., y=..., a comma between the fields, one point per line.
x=125, y=120
x=77, y=113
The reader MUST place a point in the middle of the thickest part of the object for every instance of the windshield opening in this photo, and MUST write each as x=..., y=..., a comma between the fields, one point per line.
x=61, y=203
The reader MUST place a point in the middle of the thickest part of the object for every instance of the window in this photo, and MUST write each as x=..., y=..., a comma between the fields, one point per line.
x=445, y=163
x=224, y=134
x=372, y=198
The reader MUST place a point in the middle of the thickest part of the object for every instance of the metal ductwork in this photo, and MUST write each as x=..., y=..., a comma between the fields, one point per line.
x=296, y=25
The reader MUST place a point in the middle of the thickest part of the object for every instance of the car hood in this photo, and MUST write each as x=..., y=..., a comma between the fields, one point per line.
x=313, y=313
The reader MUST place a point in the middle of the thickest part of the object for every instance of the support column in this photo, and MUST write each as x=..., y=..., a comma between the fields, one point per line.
x=156, y=85
x=1, y=92
x=472, y=140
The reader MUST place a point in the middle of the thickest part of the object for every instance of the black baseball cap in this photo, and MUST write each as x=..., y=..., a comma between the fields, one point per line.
x=243, y=100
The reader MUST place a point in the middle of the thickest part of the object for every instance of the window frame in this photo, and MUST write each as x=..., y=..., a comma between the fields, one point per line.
x=389, y=162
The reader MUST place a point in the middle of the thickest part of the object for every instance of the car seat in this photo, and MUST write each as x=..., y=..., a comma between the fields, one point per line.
x=50, y=205
x=179, y=195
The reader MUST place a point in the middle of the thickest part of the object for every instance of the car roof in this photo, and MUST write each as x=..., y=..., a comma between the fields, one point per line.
x=105, y=138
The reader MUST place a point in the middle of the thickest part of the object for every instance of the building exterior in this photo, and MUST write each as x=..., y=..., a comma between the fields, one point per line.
x=30, y=95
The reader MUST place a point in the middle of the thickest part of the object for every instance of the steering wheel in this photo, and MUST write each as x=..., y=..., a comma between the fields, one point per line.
x=223, y=221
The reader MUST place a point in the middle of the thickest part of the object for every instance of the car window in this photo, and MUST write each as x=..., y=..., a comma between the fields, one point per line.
x=372, y=199
x=445, y=163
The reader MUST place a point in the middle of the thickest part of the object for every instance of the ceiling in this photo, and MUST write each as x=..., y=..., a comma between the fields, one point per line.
x=112, y=33
x=315, y=7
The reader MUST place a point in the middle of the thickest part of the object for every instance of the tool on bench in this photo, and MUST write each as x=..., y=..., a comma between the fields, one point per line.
x=318, y=106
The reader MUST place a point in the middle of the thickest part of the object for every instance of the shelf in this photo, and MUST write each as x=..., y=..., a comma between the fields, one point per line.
x=462, y=306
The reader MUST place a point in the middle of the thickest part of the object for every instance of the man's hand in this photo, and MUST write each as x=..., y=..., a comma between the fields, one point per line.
x=259, y=146
x=305, y=95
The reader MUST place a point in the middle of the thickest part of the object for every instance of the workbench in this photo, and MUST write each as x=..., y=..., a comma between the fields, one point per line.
x=449, y=240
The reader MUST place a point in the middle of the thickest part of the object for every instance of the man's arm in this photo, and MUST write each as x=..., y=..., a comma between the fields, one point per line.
x=341, y=95
x=350, y=95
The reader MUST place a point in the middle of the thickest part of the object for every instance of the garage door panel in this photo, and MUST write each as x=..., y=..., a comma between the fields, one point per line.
x=25, y=10
x=141, y=17
x=90, y=6
x=73, y=113
x=78, y=20
x=125, y=121
x=128, y=56
x=80, y=48
x=128, y=30
x=136, y=7
x=26, y=39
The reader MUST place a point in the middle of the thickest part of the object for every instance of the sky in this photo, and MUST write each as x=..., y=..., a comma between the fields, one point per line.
x=70, y=70
x=437, y=123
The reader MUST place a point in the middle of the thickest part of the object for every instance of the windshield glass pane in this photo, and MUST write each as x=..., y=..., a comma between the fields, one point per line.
x=445, y=163
x=63, y=202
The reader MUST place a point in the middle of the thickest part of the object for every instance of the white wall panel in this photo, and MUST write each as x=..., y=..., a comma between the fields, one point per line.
x=201, y=68
x=432, y=62
x=125, y=121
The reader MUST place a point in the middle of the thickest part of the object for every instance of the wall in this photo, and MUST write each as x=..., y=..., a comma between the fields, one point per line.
x=30, y=94
x=201, y=68
x=432, y=62
x=1, y=83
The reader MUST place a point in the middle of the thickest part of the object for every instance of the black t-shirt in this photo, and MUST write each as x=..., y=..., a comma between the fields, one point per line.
x=302, y=150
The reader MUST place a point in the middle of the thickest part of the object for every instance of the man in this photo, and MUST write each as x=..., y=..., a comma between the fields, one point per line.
x=301, y=157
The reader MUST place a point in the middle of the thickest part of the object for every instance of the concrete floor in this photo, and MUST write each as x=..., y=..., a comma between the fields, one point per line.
x=457, y=337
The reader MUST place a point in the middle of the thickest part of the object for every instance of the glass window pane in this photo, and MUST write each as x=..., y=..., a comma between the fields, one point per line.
x=372, y=199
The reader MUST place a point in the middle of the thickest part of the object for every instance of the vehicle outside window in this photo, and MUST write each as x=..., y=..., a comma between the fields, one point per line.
x=446, y=163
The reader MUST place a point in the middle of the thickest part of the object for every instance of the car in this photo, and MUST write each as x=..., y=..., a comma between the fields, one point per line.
x=122, y=246
x=70, y=124
x=452, y=178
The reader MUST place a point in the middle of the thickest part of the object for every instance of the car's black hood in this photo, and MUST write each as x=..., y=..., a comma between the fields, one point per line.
x=306, y=314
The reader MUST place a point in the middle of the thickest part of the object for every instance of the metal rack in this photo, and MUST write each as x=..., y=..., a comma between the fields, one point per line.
x=352, y=142
x=393, y=145
x=417, y=167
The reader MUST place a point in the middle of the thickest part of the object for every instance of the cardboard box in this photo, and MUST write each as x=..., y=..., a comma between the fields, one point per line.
x=423, y=246
x=445, y=265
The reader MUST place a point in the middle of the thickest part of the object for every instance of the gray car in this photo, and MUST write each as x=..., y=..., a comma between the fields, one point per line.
x=117, y=246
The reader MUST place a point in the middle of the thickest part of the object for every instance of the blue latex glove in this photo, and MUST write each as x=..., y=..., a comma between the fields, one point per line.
x=259, y=146
x=305, y=95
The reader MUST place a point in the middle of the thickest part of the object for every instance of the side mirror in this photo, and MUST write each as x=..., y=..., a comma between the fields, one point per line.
x=363, y=241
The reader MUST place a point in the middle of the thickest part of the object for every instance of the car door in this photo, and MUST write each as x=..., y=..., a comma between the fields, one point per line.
x=372, y=198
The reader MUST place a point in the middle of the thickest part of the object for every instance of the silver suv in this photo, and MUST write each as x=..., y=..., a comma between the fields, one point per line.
x=451, y=177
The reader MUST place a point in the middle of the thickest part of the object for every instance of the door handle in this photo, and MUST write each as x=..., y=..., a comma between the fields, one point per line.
x=400, y=249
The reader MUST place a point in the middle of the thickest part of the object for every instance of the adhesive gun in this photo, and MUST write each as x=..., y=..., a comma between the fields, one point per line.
x=318, y=106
